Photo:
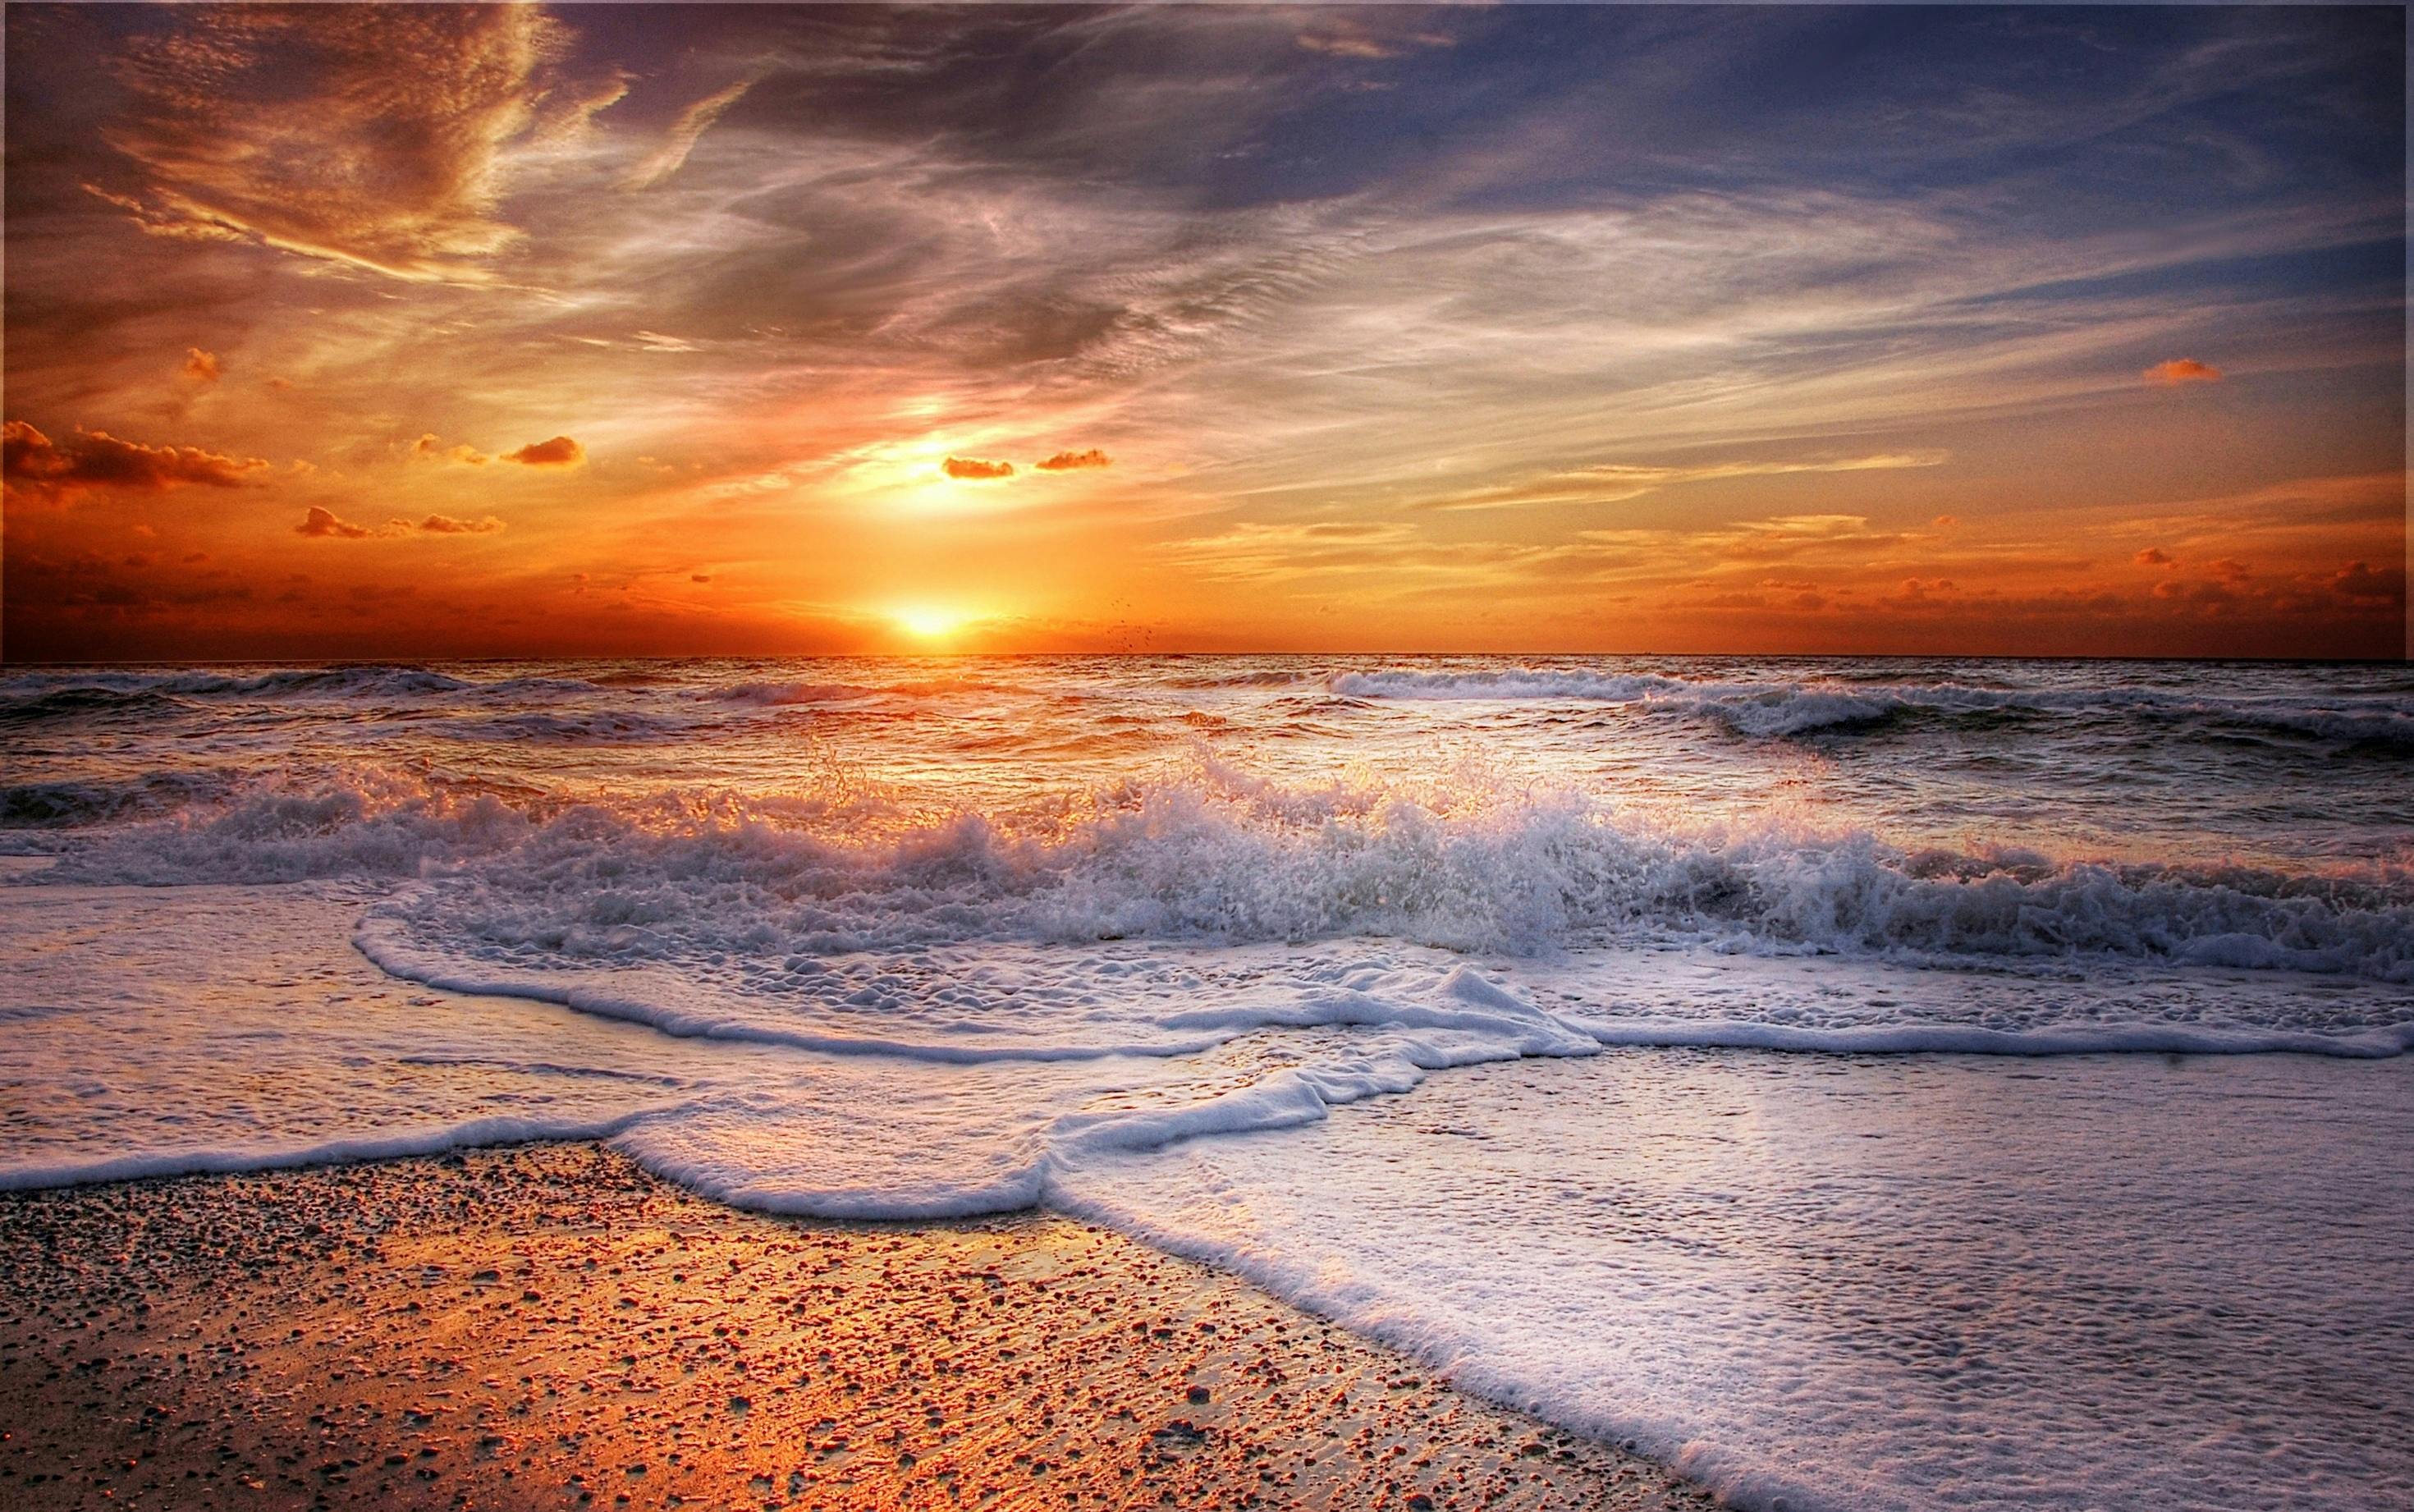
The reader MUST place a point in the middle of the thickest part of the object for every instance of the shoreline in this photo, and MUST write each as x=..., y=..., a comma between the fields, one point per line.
x=549, y=1325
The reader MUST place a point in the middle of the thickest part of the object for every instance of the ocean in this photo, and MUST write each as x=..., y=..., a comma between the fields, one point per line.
x=1858, y=1083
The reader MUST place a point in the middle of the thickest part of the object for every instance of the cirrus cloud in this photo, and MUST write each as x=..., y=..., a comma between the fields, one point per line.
x=371, y=136
x=684, y=134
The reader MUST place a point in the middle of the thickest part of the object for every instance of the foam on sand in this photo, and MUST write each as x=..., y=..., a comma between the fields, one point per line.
x=1871, y=1287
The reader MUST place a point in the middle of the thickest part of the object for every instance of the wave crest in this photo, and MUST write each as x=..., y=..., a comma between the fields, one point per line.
x=1219, y=855
x=1779, y=709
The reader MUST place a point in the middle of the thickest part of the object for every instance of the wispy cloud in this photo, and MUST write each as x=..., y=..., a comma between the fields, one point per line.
x=684, y=134
x=368, y=135
x=1613, y=483
x=1386, y=347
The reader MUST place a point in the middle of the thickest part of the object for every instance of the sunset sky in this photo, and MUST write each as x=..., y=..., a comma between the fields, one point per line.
x=353, y=331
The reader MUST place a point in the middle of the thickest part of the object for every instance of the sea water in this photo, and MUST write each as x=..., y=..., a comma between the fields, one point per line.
x=1857, y=1083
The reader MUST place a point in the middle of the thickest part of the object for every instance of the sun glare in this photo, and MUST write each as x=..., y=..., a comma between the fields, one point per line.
x=928, y=622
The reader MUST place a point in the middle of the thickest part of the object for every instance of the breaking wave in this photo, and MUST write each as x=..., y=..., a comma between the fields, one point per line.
x=1219, y=856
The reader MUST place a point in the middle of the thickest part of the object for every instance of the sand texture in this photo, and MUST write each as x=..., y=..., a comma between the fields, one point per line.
x=549, y=1326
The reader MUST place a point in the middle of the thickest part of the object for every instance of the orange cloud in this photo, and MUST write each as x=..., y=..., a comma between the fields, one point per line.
x=429, y=446
x=96, y=459
x=965, y=467
x=558, y=451
x=325, y=522
x=201, y=366
x=2182, y=370
x=1342, y=45
x=447, y=525
x=2153, y=556
x=1072, y=461
x=357, y=134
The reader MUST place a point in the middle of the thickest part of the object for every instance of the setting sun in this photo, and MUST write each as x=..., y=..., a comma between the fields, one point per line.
x=929, y=621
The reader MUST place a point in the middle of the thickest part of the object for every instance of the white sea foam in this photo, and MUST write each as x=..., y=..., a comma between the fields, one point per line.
x=2111, y=1281
x=1799, y=1278
x=125, y=1006
x=1214, y=856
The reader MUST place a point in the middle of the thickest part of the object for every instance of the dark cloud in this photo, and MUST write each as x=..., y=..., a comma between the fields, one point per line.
x=558, y=451
x=1073, y=461
x=2153, y=556
x=2361, y=581
x=325, y=522
x=96, y=459
x=966, y=467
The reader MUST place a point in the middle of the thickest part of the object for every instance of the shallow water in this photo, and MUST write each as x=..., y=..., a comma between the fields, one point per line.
x=1438, y=995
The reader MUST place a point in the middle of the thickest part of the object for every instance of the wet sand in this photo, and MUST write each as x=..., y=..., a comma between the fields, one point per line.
x=549, y=1326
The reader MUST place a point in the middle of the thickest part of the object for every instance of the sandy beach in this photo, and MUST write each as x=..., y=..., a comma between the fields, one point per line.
x=550, y=1325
